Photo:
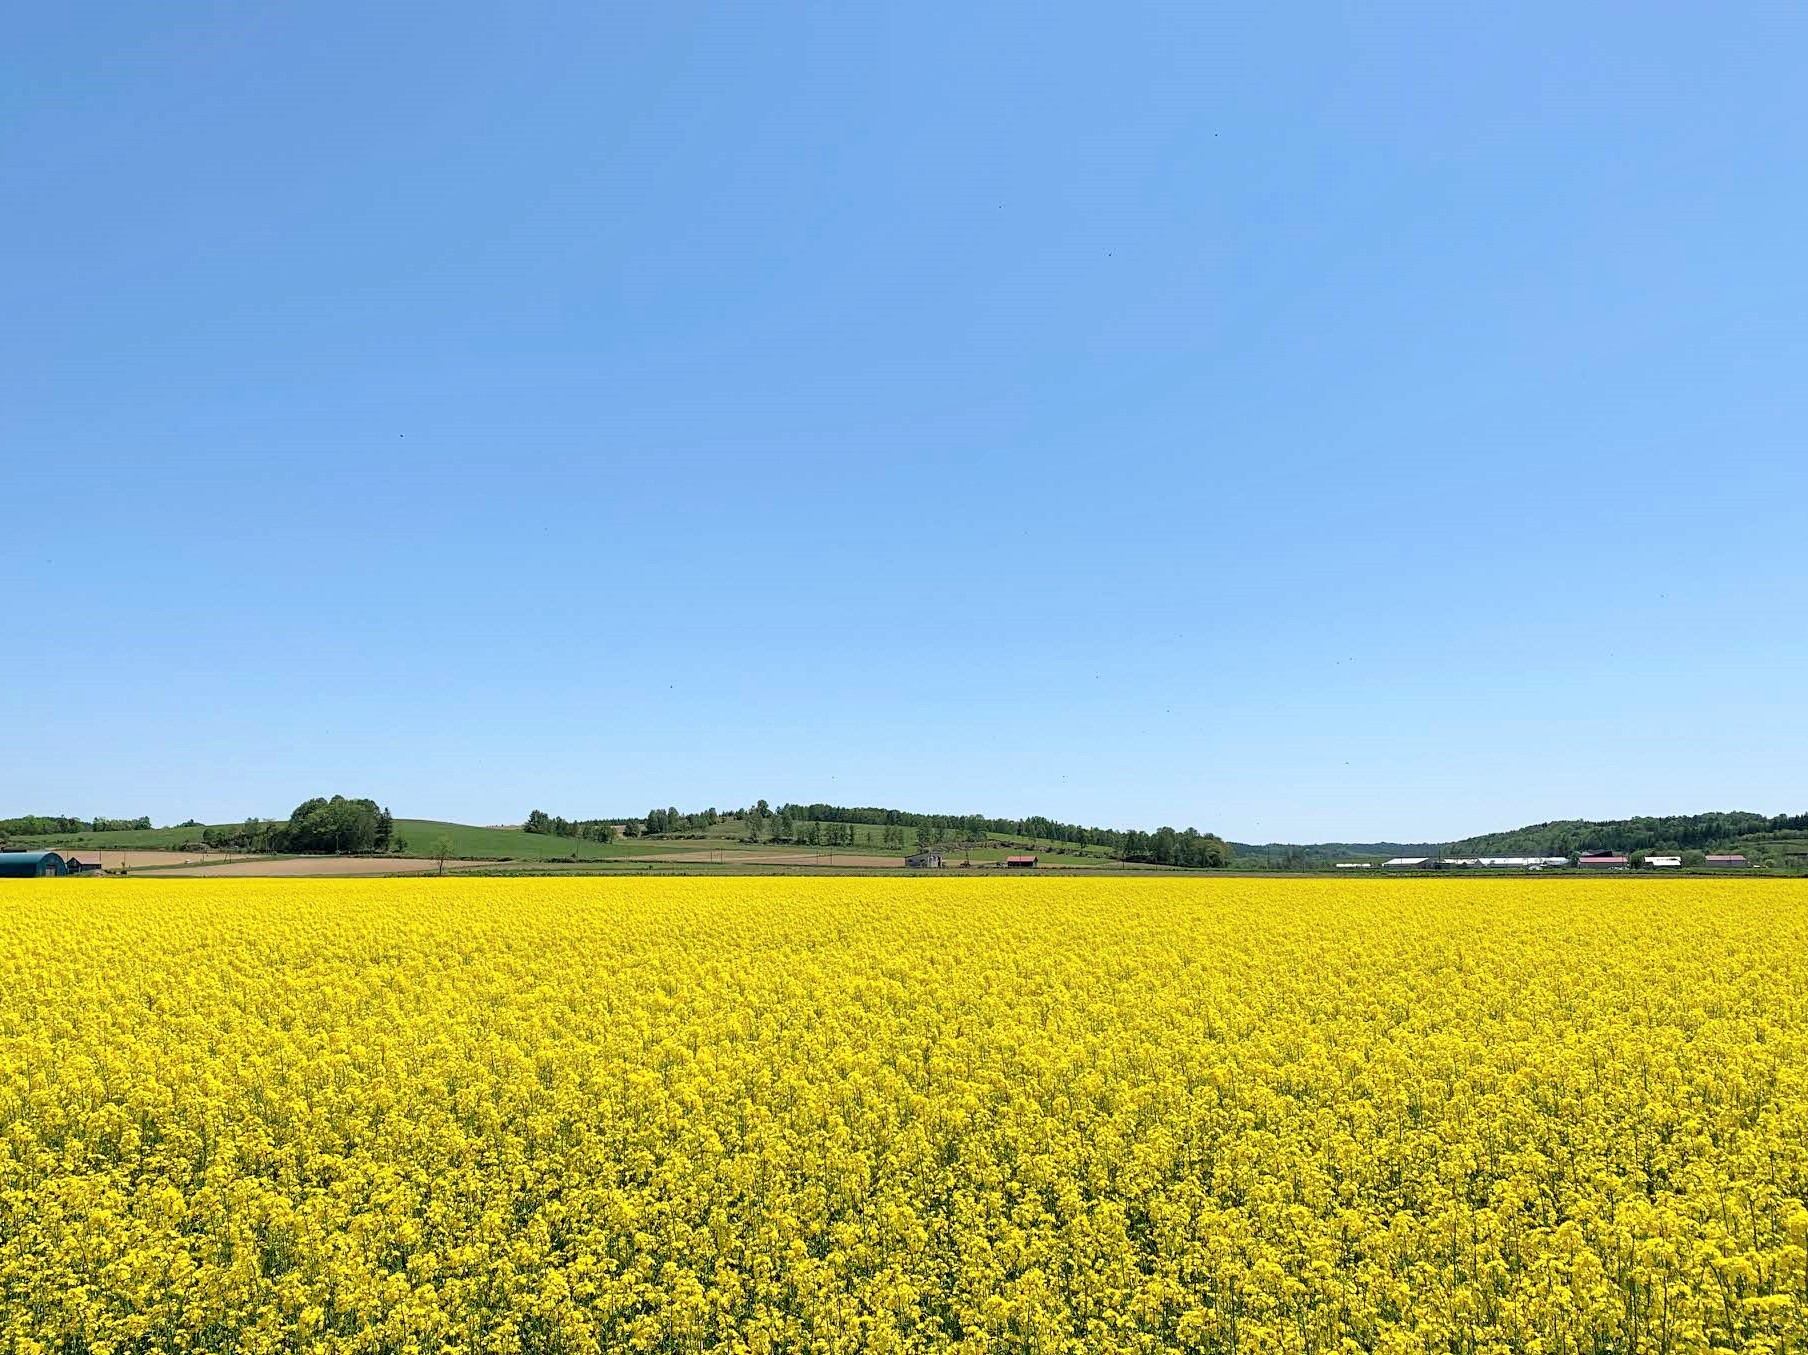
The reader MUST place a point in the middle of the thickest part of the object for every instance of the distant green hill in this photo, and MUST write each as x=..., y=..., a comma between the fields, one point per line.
x=1679, y=832
x=144, y=839
x=470, y=841
x=1779, y=840
x=1310, y=854
x=417, y=837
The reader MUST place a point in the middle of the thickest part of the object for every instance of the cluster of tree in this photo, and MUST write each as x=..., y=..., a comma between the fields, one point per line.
x=317, y=827
x=1164, y=846
x=1675, y=832
x=251, y=836
x=815, y=833
x=590, y=830
x=959, y=827
x=337, y=826
x=666, y=822
x=669, y=822
x=43, y=825
x=1316, y=855
x=826, y=825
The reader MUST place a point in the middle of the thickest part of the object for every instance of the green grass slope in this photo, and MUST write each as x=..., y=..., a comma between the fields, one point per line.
x=728, y=838
x=471, y=842
x=144, y=839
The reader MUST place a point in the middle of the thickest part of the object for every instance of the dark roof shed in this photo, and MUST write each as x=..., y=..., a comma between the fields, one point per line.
x=20, y=865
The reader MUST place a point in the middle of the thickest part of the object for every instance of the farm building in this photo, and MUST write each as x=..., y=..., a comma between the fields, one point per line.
x=1509, y=862
x=1728, y=861
x=1020, y=862
x=15, y=865
x=924, y=861
x=1603, y=861
x=1411, y=863
x=1663, y=862
x=1355, y=865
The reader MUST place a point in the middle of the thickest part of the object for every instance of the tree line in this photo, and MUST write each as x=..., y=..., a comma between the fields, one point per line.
x=1164, y=847
x=590, y=830
x=826, y=825
x=666, y=822
x=820, y=833
x=1673, y=832
x=669, y=822
x=318, y=827
x=44, y=825
x=956, y=827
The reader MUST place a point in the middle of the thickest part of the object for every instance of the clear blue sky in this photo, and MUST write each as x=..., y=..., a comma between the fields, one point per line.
x=1298, y=423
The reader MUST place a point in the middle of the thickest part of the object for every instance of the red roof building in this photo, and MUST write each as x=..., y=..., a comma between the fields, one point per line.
x=1020, y=862
x=1604, y=862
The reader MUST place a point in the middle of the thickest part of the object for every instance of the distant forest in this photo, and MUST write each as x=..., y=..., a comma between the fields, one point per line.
x=340, y=824
x=591, y=830
x=1678, y=832
x=39, y=825
x=1164, y=846
x=833, y=826
x=318, y=826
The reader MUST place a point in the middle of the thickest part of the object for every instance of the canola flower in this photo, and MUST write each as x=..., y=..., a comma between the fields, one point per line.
x=903, y=1115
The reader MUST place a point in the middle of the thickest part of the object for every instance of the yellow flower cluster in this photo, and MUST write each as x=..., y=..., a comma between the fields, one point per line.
x=903, y=1115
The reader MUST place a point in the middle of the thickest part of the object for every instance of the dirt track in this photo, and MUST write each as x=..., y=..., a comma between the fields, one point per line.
x=775, y=857
x=134, y=858
x=323, y=865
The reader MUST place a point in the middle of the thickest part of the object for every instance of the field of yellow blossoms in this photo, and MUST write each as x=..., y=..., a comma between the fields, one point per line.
x=898, y=1114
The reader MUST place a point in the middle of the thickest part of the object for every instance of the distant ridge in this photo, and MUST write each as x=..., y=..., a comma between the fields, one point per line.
x=1776, y=839
x=1684, y=832
x=1328, y=851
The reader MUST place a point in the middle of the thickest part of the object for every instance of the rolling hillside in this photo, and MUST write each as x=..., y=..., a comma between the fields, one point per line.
x=723, y=844
x=1778, y=841
x=1308, y=855
x=1732, y=830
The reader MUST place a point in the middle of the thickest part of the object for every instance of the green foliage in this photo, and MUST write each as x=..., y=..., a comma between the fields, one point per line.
x=253, y=835
x=590, y=830
x=1701, y=832
x=41, y=825
x=336, y=826
x=669, y=822
x=1165, y=846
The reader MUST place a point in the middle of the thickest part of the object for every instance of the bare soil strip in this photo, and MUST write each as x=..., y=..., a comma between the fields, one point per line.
x=134, y=858
x=326, y=865
x=775, y=857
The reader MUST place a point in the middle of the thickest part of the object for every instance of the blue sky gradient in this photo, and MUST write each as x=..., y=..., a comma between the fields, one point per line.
x=1299, y=424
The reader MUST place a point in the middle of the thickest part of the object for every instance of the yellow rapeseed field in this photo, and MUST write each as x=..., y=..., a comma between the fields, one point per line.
x=887, y=1115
